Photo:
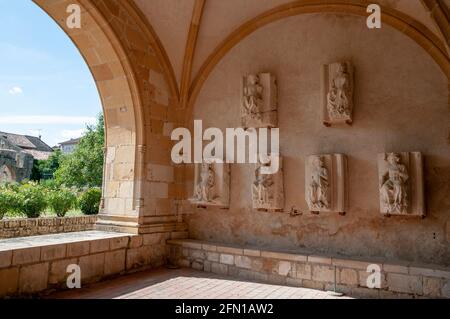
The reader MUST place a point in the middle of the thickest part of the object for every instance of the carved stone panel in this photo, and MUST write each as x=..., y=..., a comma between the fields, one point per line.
x=337, y=93
x=211, y=184
x=401, y=184
x=259, y=101
x=325, y=183
x=267, y=189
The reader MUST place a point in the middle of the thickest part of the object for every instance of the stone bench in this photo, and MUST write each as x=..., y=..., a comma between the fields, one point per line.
x=312, y=271
x=30, y=265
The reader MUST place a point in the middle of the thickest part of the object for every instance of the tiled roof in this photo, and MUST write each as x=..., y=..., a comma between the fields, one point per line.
x=72, y=141
x=38, y=155
x=27, y=142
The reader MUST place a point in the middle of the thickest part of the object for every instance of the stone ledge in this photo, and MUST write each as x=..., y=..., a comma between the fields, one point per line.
x=21, y=227
x=30, y=265
x=312, y=270
x=28, y=250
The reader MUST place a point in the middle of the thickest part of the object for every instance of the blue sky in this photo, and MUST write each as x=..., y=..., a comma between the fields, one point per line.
x=44, y=82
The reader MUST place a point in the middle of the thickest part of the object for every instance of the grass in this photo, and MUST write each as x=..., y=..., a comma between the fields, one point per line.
x=48, y=213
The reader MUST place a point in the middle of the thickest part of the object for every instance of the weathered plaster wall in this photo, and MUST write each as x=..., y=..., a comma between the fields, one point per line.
x=401, y=99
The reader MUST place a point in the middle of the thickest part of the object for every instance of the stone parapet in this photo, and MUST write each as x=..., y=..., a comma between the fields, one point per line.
x=10, y=228
x=34, y=265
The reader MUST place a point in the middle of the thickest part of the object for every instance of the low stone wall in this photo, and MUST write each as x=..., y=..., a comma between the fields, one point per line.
x=309, y=271
x=43, y=265
x=22, y=227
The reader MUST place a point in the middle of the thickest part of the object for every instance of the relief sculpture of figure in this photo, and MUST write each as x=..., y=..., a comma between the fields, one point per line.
x=253, y=97
x=339, y=96
x=261, y=188
x=318, y=195
x=203, y=190
x=394, y=196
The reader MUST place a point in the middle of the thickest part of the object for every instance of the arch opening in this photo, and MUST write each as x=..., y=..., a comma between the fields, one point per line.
x=109, y=65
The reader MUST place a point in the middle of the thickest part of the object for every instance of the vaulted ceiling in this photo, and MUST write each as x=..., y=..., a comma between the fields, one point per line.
x=193, y=31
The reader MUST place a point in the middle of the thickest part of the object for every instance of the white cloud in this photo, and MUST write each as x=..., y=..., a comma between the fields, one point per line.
x=47, y=119
x=15, y=90
x=35, y=132
x=69, y=134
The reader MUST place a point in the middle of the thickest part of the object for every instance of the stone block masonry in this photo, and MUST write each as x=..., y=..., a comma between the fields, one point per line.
x=10, y=228
x=33, y=265
x=311, y=271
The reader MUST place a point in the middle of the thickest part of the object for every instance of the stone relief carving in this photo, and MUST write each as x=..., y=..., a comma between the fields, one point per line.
x=259, y=101
x=267, y=189
x=318, y=189
x=401, y=184
x=211, y=184
x=394, y=183
x=337, y=93
x=253, y=98
x=204, y=188
x=325, y=183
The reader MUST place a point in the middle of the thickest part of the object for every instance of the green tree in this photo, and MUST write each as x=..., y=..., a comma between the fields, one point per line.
x=45, y=169
x=84, y=167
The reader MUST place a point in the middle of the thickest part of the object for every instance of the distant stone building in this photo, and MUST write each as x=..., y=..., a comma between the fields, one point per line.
x=17, y=154
x=69, y=146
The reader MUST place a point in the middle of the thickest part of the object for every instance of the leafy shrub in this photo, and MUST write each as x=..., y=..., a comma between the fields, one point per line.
x=7, y=201
x=61, y=201
x=89, y=201
x=10, y=186
x=31, y=200
x=50, y=184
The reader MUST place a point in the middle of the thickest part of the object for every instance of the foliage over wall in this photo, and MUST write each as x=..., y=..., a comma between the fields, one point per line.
x=45, y=169
x=82, y=168
x=32, y=199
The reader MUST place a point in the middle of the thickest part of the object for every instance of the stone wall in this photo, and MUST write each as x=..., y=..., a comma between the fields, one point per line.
x=100, y=255
x=15, y=165
x=312, y=271
x=22, y=227
x=401, y=104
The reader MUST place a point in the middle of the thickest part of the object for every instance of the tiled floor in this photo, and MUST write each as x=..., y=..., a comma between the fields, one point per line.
x=187, y=284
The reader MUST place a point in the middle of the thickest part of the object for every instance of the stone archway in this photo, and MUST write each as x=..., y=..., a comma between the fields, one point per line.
x=117, y=89
x=134, y=81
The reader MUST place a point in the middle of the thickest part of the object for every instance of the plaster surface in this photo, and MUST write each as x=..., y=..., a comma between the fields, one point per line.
x=401, y=104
